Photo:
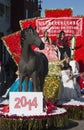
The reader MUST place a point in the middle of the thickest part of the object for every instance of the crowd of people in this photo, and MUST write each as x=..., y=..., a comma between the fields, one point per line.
x=72, y=81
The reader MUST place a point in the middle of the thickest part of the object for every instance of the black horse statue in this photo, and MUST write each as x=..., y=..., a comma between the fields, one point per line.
x=32, y=64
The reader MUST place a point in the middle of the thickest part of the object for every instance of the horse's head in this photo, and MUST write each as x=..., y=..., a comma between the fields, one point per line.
x=31, y=37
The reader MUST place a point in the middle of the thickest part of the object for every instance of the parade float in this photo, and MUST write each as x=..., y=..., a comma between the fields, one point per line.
x=52, y=114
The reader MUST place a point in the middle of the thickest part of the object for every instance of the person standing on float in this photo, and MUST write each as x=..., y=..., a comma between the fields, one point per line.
x=50, y=50
x=62, y=43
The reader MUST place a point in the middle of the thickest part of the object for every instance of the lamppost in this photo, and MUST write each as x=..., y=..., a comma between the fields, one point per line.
x=39, y=7
x=32, y=8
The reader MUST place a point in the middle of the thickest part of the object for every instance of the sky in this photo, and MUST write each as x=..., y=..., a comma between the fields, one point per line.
x=76, y=5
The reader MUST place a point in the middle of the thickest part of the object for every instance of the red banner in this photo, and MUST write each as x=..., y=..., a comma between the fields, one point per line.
x=55, y=25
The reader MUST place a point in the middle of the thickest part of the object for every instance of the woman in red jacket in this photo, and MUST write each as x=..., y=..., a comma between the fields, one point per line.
x=62, y=42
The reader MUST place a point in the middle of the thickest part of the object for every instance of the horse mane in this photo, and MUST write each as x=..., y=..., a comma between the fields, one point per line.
x=22, y=37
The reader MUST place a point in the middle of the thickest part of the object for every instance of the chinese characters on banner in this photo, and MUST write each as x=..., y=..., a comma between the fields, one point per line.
x=55, y=25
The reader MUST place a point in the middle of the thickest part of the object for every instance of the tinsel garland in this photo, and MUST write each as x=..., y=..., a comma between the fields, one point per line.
x=54, y=68
x=52, y=81
x=51, y=87
x=33, y=123
x=75, y=112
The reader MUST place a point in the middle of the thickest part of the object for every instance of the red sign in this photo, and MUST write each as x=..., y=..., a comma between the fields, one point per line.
x=55, y=25
x=26, y=103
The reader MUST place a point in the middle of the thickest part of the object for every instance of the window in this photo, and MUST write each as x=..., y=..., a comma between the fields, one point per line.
x=7, y=13
x=1, y=9
x=27, y=14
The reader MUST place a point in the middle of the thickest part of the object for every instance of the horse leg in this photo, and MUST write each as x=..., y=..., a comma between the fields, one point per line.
x=35, y=82
x=20, y=84
x=41, y=82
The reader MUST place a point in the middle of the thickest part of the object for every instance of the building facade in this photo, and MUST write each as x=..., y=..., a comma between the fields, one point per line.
x=5, y=25
x=23, y=9
x=4, y=16
x=11, y=12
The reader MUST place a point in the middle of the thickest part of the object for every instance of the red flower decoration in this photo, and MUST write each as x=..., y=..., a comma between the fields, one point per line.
x=58, y=13
x=5, y=109
x=50, y=106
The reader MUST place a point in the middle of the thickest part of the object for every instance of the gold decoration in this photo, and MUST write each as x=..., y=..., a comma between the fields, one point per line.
x=54, y=68
x=51, y=87
x=33, y=123
x=52, y=81
x=76, y=112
